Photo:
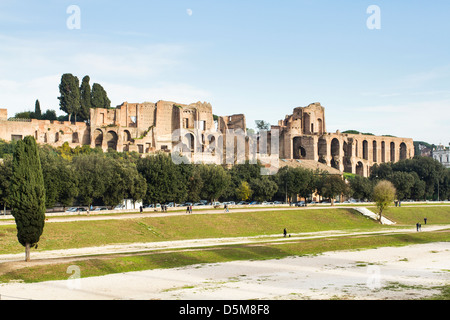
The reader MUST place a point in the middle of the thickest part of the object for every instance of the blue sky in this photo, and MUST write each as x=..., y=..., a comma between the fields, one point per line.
x=261, y=58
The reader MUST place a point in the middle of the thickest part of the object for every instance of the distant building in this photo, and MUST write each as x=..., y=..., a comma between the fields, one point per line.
x=442, y=154
x=166, y=126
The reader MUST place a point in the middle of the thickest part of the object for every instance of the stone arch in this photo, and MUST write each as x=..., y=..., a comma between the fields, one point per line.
x=75, y=138
x=403, y=151
x=320, y=126
x=360, y=169
x=189, y=142
x=98, y=138
x=307, y=123
x=392, y=151
x=111, y=140
x=303, y=148
x=335, y=148
x=383, y=151
x=126, y=136
x=374, y=150
x=322, y=150
x=365, y=146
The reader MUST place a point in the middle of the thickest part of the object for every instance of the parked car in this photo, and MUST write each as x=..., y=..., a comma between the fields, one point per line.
x=242, y=202
x=100, y=209
x=300, y=204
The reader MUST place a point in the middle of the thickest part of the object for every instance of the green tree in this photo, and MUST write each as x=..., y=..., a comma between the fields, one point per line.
x=403, y=183
x=361, y=187
x=99, y=97
x=49, y=115
x=333, y=186
x=262, y=125
x=69, y=99
x=5, y=181
x=91, y=176
x=383, y=195
x=263, y=187
x=28, y=194
x=216, y=180
x=85, y=98
x=164, y=179
x=37, y=109
x=244, y=192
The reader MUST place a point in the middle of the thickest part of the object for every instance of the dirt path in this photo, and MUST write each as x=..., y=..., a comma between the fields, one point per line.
x=410, y=272
x=10, y=262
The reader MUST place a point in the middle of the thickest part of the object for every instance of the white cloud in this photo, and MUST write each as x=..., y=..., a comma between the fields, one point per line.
x=189, y=12
x=31, y=69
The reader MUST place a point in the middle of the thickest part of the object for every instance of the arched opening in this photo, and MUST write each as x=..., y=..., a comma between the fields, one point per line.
x=111, y=140
x=347, y=165
x=392, y=152
x=303, y=148
x=403, y=151
x=360, y=169
x=365, y=146
x=212, y=144
x=98, y=138
x=307, y=123
x=75, y=138
x=320, y=126
x=335, y=151
x=189, y=142
x=56, y=136
x=322, y=150
x=374, y=150
x=335, y=163
x=383, y=151
x=126, y=136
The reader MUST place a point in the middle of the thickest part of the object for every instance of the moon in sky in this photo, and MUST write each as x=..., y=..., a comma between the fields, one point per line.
x=189, y=12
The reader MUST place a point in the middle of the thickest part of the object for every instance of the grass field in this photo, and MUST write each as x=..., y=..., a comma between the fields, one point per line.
x=80, y=234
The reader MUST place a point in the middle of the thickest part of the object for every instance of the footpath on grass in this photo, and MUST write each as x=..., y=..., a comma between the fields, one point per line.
x=204, y=243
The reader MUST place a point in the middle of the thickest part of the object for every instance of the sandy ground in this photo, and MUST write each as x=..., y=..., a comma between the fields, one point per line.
x=384, y=273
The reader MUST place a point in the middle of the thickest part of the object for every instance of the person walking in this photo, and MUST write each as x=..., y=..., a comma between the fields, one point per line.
x=417, y=226
x=190, y=208
x=187, y=209
x=284, y=232
x=425, y=220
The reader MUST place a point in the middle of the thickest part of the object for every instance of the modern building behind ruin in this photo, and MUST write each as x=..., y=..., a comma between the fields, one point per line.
x=149, y=127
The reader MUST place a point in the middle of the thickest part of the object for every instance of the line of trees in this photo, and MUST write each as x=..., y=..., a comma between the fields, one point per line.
x=88, y=176
x=74, y=99
x=77, y=100
x=420, y=178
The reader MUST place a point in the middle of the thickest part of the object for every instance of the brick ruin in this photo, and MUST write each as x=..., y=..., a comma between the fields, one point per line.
x=149, y=127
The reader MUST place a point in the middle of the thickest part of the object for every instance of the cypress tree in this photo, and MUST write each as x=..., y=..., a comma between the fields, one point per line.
x=28, y=194
x=85, y=95
x=37, y=110
x=69, y=101
x=99, y=97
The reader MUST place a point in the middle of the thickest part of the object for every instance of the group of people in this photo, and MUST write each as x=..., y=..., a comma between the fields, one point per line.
x=189, y=209
x=419, y=225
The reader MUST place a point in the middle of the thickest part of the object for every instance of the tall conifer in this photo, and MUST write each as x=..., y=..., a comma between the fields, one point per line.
x=27, y=194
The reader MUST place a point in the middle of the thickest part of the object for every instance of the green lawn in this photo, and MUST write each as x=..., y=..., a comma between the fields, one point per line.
x=411, y=215
x=97, y=266
x=101, y=232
